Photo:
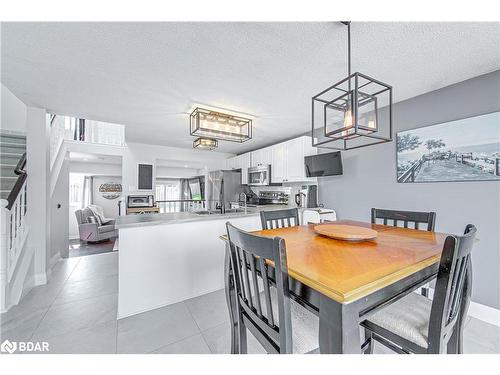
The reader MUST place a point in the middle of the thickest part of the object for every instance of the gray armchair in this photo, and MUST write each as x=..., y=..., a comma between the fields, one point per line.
x=92, y=231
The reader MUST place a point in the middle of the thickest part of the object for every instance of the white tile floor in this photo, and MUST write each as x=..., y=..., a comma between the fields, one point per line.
x=76, y=313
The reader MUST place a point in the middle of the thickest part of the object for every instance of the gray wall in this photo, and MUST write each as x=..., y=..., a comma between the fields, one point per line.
x=369, y=180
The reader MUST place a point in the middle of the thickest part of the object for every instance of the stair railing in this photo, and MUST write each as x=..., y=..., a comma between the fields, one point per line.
x=13, y=223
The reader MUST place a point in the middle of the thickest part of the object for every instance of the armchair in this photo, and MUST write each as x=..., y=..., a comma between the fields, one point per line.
x=90, y=230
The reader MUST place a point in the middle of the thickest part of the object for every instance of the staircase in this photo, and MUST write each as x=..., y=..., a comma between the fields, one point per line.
x=14, y=255
x=12, y=148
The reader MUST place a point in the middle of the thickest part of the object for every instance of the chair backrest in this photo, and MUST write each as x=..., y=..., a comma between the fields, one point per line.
x=280, y=218
x=310, y=217
x=453, y=286
x=249, y=254
x=82, y=215
x=414, y=217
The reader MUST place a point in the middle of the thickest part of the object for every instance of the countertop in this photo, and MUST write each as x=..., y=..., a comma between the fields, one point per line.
x=146, y=219
x=131, y=221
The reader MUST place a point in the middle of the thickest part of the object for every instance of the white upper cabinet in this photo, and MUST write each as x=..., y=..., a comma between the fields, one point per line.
x=244, y=165
x=295, y=160
x=262, y=156
x=240, y=162
x=278, y=165
x=288, y=160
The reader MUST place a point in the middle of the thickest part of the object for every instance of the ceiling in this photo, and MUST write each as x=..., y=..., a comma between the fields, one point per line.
x=148, y=76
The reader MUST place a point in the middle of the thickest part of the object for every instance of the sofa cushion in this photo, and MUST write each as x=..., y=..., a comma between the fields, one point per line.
x=91, y=220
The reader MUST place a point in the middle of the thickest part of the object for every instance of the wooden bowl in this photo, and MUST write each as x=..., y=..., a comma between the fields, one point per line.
x=346, y=232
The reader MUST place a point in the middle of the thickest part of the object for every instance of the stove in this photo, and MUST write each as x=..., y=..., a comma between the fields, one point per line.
x=273, y=197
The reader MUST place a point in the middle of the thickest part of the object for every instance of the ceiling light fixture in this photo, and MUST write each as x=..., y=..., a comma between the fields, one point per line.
x=217, y=125
x=204, y=144
x=355, y=112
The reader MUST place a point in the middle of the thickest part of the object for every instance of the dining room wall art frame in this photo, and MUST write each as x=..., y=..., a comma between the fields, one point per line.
x=462, y=150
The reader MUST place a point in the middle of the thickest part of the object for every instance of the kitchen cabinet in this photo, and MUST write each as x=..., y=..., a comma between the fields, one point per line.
x=240, y=162
x=262, y=156
x=288, y=160
x=278, y=165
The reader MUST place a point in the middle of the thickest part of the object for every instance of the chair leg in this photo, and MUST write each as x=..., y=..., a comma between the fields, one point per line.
x=368, y=344
x=242, y=336
x=454, y=341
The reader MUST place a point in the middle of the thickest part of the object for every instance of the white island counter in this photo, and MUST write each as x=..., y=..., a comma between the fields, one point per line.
x=168, y=258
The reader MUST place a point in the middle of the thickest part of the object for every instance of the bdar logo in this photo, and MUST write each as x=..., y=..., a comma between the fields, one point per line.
x=8, y=347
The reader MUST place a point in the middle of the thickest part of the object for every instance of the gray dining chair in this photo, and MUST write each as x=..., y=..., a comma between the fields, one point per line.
x=406, y=219
x=263, y=301
x=279, y=218
x=414, y=218
x=416, y=324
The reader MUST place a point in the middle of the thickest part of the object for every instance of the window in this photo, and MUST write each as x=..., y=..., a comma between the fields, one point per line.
x=76, y=190
x=168, y=189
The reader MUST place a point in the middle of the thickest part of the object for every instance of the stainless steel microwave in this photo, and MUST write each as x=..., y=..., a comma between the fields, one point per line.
x=259, y=176
x=140, y=201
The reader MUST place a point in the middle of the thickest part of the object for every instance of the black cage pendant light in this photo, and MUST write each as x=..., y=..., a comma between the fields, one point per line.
x=355, y=112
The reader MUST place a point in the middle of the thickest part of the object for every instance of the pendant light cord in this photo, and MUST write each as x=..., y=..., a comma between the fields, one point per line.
x=348, y=24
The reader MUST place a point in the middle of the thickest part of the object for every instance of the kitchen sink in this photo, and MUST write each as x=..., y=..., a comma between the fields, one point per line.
x=217, y=212
x=235, y=210
x=208, y=212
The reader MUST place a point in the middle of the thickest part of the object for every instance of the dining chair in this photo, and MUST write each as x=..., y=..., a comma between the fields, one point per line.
x=416, y=324
x=267, y=311
x=406, y=217
x=279, y=218
x=310, y=217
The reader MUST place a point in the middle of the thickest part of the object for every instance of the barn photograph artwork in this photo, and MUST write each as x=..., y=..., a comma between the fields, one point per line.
x=461, y=150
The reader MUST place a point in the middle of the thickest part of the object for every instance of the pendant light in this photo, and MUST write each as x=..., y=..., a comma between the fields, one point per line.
x=354, y=112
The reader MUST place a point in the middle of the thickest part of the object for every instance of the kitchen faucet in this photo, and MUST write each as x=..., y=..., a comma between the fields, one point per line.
x=245, y=200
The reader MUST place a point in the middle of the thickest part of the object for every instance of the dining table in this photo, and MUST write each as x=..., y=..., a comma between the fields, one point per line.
x=344, y=282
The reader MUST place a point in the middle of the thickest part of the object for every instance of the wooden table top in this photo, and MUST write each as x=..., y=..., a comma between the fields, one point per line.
x=347, y=271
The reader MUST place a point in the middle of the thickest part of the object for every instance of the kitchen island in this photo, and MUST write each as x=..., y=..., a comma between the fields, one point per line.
x=168, y=258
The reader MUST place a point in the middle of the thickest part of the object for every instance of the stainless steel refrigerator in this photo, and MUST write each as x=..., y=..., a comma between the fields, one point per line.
x=222, y=188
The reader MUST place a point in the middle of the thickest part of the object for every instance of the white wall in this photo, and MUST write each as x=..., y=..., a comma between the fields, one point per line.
x=59, y=215
x=38, y=189
x=110, y=206
x=369, y=180
x=138, y=153
x=174, y=172
x=13, y=112
x=95, y=169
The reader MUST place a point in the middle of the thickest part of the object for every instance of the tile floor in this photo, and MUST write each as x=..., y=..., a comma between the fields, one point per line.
x=76, y=313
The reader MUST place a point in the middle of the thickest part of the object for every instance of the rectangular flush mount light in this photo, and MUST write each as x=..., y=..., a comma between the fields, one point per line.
x=205, y=143
x=217, y=125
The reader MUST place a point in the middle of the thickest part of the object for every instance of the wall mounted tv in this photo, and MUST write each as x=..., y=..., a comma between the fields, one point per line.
x=321, y=165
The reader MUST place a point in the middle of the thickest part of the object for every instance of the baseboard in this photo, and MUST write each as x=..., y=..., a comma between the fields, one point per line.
x=55, y=258
x=485, y=313
x=479, y=311
x=30, y=284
